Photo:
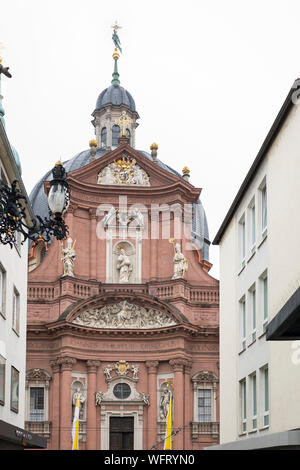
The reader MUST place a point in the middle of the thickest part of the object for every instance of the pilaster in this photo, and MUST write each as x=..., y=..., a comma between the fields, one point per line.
x=152, y=409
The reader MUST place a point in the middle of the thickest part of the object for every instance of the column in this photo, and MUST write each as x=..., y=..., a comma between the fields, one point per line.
x=93, y=244
x=178, y=393
x=65, y=402
x=188, y=409
x=91, y=425
x=54, y=416
x=152, y=409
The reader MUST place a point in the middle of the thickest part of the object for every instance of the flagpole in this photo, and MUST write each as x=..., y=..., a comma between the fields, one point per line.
x=168, y=438
x=75, y=428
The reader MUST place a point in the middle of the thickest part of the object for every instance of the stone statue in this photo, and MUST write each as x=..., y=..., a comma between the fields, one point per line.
x=135, y=371
x=164, y=404
x=145, y=397
x=180, y=263
x=81, y=397
x=98, y=398
x=68, y=257
x=106, y=176
x=124, y=265
x=107, y=370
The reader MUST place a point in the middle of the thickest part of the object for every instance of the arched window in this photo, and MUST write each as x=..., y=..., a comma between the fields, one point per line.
x=103, y=136
x=115, y=135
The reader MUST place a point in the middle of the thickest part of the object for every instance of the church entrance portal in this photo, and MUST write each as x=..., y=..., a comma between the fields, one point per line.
x=121, y=433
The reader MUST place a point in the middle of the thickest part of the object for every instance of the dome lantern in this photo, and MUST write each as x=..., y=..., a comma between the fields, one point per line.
x=110, y=105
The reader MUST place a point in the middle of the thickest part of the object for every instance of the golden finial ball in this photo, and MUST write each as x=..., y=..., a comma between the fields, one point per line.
x=93, y=143
x=185, y=170
x=153, y=146
x=116, y=54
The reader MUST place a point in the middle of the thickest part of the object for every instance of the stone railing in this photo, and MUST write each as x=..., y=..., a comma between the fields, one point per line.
x=81, y=290
x=204, y=295
x=43, y=428
x=210, y=428
x=40, y=292
x=165, y=289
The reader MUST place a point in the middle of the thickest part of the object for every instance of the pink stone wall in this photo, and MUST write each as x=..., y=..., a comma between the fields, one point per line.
x=65, y=350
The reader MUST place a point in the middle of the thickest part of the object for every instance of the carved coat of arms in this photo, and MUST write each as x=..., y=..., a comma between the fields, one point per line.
x=124, y=171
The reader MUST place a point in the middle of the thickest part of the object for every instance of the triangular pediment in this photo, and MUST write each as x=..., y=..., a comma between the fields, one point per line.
x=126, y=167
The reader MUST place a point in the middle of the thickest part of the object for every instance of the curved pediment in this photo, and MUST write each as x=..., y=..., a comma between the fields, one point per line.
x=124, y=315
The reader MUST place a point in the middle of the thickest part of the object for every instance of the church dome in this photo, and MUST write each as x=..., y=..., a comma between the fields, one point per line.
x=115, y=95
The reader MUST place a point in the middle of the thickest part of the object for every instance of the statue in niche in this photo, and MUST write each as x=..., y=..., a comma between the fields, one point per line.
x=81, y=397
x=124, y=265
x=164, y=403
x=180, y=263
x=68, y=257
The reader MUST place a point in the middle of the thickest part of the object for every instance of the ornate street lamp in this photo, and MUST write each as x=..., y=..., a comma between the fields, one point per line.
x=13, y=215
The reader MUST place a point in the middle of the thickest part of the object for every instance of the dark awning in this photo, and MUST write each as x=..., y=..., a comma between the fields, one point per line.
x=286, y=324
x=20, y=437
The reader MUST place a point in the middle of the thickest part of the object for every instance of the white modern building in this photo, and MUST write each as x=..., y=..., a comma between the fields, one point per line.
x=13, y=307
x=259, y=272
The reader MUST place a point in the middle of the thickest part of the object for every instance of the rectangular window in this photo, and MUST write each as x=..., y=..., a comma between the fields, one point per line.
x=266, y=396
x=253, y=313
x=242, y=237
x=14, y=390
x=36, y=404
x=265, y=303
x=254, y=401
x=204, y=405
x=16, y=311
x=243, y=406
x=251, y=224
x=243, y=324
x=2, y=380
x=2, y=291
x=264, y=211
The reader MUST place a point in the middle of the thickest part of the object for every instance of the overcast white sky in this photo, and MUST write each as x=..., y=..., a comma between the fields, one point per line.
x=208, y=79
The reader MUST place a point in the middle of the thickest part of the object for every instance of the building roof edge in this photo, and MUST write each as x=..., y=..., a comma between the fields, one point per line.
x=276, y=126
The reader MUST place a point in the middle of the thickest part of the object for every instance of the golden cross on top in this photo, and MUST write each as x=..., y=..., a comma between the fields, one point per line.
x=116, y=26
x=123, y=123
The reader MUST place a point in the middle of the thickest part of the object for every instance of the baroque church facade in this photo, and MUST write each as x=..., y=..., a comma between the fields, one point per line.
x=123, y=314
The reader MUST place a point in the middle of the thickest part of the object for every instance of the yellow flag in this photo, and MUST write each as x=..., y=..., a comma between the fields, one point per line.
x=75, y=429
x=168, y=440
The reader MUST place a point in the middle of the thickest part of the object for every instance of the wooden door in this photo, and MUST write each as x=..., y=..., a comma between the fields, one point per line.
x=121, y=433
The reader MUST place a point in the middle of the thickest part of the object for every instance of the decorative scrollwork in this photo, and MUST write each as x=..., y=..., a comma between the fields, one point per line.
x=13, y=215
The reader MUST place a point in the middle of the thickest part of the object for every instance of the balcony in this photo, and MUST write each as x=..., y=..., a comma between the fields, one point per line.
x=200, y=429
x=43, y=428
